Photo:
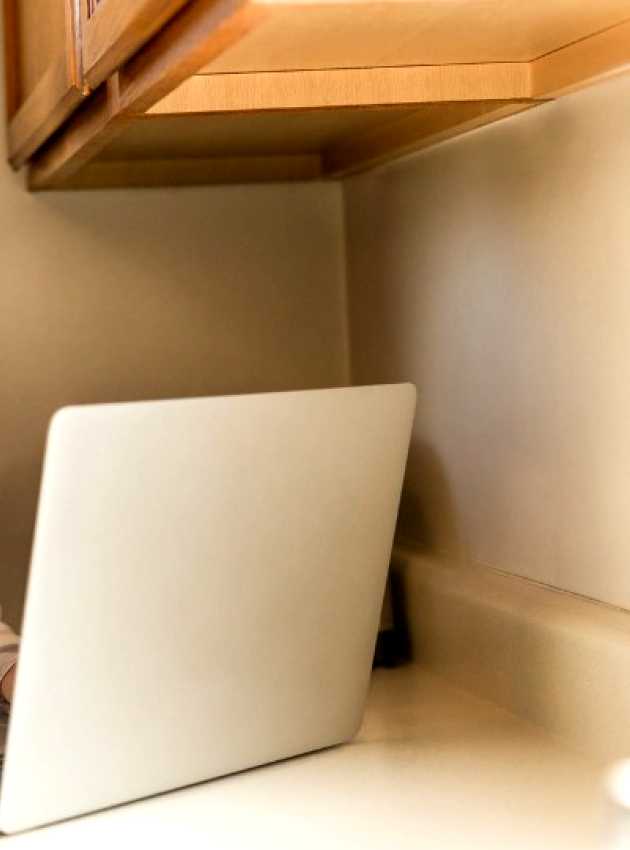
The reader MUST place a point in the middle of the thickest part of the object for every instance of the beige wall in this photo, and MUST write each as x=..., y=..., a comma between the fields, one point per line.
x=494, y=271
x=149, y=294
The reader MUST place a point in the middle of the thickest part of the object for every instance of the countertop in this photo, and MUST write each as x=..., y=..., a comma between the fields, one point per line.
x=432, y=767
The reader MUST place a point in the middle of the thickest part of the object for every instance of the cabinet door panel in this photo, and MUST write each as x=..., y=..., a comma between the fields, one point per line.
x=42, y=74
x=113, y=30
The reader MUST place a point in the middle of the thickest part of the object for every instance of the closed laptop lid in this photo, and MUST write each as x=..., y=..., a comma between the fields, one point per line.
x=205, y=588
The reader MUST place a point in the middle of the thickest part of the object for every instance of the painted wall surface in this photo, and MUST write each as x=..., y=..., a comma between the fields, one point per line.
x=108, y=296
x=494, y=272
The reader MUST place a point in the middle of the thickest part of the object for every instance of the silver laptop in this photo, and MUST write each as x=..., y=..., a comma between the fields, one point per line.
x=205, y=589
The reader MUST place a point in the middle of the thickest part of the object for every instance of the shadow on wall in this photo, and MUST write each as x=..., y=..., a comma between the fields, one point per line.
x=428, y=514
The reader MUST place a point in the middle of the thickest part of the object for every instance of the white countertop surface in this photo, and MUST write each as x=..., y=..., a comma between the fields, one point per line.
x=433, y=767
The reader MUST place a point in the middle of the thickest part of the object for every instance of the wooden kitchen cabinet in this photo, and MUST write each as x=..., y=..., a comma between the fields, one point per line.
x=170, y=92
x=57, y=51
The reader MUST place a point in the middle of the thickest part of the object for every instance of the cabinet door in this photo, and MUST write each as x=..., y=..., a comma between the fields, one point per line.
x=43, y=81
x=59, y=51
x=113, y=30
